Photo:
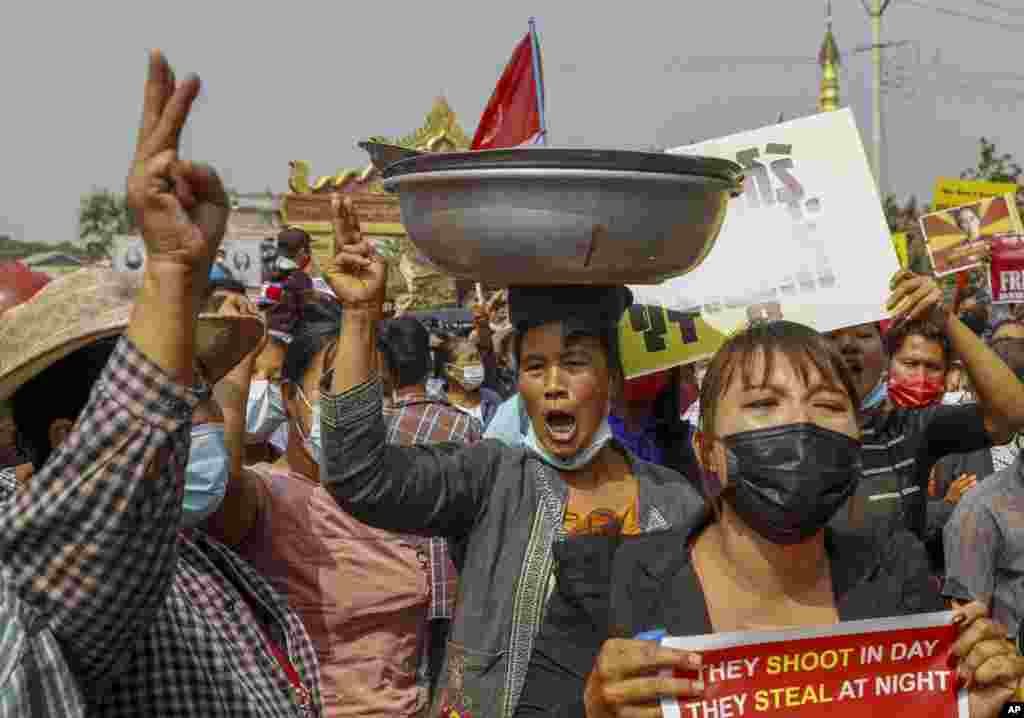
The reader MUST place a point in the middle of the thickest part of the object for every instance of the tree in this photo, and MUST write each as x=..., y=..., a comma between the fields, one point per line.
x=992, y=166
x=102, y=215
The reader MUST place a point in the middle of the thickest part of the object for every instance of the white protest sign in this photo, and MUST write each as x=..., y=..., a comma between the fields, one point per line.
x=806, y=241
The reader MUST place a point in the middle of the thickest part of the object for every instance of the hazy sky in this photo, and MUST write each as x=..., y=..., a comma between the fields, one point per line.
x=308, y=80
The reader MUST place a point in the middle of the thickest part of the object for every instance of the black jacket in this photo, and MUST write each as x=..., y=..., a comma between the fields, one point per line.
x=654, y=586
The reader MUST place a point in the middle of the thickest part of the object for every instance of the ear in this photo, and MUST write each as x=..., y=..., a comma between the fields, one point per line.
x=697, y=442
x=616, y=386
x=59, y=430
x=710, y=455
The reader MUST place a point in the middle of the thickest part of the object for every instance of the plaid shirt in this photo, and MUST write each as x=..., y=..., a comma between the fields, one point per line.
x=153, y=623
x=34, y=677
x=417, y=419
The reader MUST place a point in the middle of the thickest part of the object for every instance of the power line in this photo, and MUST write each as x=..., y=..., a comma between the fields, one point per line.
x=965, y=16
x=1002, y=8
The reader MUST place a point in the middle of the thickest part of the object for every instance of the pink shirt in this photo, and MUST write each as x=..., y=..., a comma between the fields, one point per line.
x=362, y=593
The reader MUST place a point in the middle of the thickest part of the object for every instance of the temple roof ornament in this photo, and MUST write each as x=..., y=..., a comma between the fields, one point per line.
x=440, y=132
x=829, y=60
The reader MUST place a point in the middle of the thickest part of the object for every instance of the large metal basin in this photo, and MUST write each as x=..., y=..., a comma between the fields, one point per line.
x=563, y=216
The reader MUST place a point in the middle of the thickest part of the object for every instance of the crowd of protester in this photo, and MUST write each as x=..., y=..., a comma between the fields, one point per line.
x=294, y=506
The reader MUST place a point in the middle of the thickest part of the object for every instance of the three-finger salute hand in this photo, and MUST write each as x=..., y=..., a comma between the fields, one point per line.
x=180, y=206
x=356, y=273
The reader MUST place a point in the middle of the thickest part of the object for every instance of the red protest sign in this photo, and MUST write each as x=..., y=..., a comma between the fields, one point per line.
x=1006, y=272
x=850, y=670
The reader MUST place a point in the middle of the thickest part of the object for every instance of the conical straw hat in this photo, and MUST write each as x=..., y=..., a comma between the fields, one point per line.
x=91, y=304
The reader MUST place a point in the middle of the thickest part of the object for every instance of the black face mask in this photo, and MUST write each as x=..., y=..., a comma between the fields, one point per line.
x=788, y=481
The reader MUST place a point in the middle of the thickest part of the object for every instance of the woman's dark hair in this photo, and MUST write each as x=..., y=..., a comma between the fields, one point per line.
x=59, y=392
x=317, y=329
x=574, y=329
x=405, y=344
x=925, y=328
x=801, y=346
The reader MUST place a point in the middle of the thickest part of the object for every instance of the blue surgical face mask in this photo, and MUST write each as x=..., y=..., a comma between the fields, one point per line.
x=206, y=476
x=312, y=442
x=585, y=455
x=877, y=395
x=264, y=412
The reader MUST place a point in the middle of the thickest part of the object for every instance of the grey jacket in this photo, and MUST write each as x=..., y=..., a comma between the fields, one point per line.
x=501, y=509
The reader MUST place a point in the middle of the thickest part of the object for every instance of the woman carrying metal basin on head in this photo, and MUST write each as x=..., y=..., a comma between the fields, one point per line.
x=508, y=513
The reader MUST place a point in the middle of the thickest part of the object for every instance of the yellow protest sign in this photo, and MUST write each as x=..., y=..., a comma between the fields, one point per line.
x=952, y=192
x=653, y=338
x=899, y=243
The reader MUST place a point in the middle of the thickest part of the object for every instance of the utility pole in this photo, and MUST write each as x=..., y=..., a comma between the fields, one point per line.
x=875, y=11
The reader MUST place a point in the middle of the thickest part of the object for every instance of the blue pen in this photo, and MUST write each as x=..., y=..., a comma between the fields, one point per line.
x=655, y=634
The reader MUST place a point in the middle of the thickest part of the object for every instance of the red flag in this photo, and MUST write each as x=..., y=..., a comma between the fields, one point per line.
x=513, y=115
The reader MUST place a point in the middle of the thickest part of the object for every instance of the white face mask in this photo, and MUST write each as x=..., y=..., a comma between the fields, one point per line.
x=286, y=265
x=582, y=458
x=264, y=413
x=312, y=442
x=472, y=376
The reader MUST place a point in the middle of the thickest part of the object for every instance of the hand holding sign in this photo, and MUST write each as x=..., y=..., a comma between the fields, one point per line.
x=989, y=665
x=915, y=296
x=629, y=679
x=919, y=664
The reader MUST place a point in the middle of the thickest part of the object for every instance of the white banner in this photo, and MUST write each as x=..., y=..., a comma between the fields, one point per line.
x=243, y=259
x=806, y=241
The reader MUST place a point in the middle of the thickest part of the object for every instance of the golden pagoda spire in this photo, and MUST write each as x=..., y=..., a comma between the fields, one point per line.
x=828, y=58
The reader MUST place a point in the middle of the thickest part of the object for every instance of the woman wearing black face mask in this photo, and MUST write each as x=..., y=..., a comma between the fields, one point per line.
x=779, y=431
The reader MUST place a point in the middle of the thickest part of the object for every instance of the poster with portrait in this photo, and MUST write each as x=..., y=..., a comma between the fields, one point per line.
x=957, y=239
x=242, y=259
x=128, y=254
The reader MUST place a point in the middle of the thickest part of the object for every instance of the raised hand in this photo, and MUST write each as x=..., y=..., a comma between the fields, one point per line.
x=915, y=296
x=180, y=206
x=356, y=274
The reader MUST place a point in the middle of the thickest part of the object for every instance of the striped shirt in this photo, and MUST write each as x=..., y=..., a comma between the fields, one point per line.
x=900, y=447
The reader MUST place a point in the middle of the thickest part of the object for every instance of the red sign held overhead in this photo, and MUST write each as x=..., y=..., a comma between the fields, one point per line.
x=1006, y=272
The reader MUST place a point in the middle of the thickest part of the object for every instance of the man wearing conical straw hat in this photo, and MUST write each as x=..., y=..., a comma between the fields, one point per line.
x=121, y=611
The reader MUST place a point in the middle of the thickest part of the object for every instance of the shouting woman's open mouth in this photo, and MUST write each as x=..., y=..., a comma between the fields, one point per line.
x=560, y=426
